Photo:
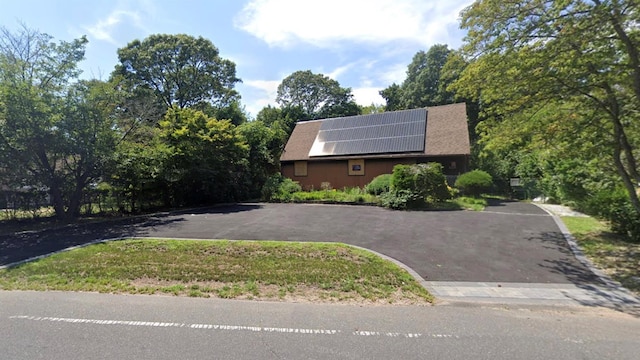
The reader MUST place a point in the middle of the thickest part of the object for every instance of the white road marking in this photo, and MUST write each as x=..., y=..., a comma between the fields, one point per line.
x=227, y=327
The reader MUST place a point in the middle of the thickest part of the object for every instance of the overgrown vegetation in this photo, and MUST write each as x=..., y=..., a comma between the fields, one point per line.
x=416, y=186
x=608, y=251
x=238, y=269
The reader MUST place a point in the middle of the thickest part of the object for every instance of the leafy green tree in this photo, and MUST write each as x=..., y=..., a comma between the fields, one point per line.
x=265, y=146
x=283, y=119
x=181, y=70
x=373, y=109
x=207, y=158
x=393, y=97
x=583, y=55
x=317, y=95
x=423, y=85
x=56, y=132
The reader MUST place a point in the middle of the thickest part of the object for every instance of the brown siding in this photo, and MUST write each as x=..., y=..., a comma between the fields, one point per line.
x=335, y=172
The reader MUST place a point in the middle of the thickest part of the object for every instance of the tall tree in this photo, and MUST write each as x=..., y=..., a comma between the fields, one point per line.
x=54, y=130
x=207, y=157
x=180, y=69
x=317, y=95
x=583, y=53
x=423, y=85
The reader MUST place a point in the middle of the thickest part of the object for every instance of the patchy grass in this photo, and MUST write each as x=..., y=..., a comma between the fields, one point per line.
x=617, y=258
x=470, y=203
x=225, y=269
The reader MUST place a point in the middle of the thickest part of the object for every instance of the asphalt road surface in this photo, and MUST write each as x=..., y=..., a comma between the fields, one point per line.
x=509, y=242
x=55, y=325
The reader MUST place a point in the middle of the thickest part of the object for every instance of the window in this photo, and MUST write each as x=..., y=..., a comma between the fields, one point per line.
x=356, y=167
x=300, y=168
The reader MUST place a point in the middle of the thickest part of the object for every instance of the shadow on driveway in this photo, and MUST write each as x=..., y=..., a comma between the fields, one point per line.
x=25, y=245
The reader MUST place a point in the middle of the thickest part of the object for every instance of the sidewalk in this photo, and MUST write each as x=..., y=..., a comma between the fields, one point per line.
x=560, y=210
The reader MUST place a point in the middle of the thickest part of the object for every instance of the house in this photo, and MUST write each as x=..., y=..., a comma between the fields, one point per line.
x=351, y=151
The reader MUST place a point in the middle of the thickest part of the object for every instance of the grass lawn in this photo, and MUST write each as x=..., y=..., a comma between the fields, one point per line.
x=618, y=259
x=227, y=269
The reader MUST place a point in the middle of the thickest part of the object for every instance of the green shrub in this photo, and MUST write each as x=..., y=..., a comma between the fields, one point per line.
x=625, y=220
x=415, y=186
x=380, y=184
x=474, y=182
x=271, y=186
x=400, y=200
x=279, y=188
x=431, y=183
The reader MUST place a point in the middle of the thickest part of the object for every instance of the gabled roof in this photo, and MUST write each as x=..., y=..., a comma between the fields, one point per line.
x=446, y=134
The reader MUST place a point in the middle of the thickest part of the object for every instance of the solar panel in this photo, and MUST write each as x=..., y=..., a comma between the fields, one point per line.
x=390, y=132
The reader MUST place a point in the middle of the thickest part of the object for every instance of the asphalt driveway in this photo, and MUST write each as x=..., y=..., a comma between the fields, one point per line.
x=508, y=242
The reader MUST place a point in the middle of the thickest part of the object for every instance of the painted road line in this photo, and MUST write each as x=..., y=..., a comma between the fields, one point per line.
x=219, y=327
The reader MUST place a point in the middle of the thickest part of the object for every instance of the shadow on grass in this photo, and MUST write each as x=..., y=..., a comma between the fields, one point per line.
x=16, y=247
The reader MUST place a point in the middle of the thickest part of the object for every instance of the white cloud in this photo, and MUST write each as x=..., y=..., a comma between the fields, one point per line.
x=104, y=28
x=283, y=23
x=261, y=94
x=339, y=71
x=127, y=16
x=366, y=96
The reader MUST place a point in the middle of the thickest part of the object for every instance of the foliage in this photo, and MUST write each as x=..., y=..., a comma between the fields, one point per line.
x=564, y=73
x=415, y=186
x=380, y=184
x=626, y=221
x=55, y=132
x=207, y=158
x=474, y=182
x=317, y=95
x=180, y=70
x=347, y=195
x=279, y=188
x=423, y=85
x=264, y=153
x=401, y=200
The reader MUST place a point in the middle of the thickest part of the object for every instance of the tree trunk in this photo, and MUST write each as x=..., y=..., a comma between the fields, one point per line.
x=57, y=200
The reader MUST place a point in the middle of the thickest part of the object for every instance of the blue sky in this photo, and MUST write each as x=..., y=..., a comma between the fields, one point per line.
x=363, y=44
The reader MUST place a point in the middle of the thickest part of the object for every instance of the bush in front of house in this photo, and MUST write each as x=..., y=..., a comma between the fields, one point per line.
x=416, y=186
x=279, y=188
x=379, y=185
x=474, y=182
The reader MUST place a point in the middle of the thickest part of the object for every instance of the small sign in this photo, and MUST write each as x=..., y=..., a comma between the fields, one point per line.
x=515, y=182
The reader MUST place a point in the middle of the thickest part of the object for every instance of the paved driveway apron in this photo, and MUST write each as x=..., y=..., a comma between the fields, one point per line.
x=509, y=242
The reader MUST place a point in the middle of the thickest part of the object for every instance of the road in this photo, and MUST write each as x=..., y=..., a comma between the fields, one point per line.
x=56, y=325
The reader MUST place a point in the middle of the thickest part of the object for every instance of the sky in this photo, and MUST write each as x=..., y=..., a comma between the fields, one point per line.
x=365, y=45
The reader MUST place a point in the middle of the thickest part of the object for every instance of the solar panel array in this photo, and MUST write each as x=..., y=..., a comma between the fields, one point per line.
x=390, y=132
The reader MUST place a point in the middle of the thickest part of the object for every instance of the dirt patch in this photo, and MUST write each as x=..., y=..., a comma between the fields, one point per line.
x=268, y=292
